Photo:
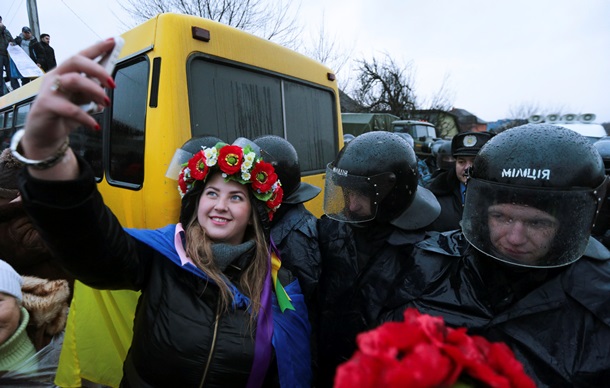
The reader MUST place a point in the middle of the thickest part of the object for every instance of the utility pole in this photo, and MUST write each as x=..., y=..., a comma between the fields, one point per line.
x=33, y=18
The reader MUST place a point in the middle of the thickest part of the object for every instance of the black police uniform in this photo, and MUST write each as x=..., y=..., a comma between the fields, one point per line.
x=556, y=320
x=524, y=269
x=362, y=254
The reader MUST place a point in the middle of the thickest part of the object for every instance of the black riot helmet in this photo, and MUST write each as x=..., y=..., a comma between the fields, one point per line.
x=407, y=137
x=444, y=159
x=533, y=195
x=374, y=177
x=347, y=138
x=603, y=147
x=283, y=157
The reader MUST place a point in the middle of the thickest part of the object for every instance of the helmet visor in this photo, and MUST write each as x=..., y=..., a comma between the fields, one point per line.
x=353, y=198
x=526, y=226
x=180, y=157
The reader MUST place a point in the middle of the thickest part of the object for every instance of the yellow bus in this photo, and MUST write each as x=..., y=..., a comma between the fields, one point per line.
x=180, y=76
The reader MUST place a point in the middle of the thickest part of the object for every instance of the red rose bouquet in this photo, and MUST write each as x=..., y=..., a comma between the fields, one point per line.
x=422, y=352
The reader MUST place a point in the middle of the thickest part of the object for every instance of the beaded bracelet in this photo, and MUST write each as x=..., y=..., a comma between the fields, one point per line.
x=37, y=164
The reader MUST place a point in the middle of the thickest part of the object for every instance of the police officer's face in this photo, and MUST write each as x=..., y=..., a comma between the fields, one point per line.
x=358, y=203
x=522, y=233
x=461, y=164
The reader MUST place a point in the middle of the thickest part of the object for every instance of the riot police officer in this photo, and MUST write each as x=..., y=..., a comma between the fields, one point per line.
x=424, y=173
x=374, y=214
x=293, y=228
x=449, y=186
x=444, y=159
x=525, y=271
x=601, y=230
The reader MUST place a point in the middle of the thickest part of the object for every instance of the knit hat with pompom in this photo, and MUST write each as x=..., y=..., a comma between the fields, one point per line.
x=10, y=281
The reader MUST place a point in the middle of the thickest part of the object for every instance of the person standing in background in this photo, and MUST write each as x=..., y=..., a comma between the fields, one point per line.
x=27, y=41
x=45, y=55
x=449, y=186
x=294, y=228
x=5, y=65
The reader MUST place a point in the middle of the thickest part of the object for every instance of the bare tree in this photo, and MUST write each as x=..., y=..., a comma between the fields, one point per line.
x=275, y=20
x=444, y=97
x=386, y=87
x=526, y=109
x=325, y=49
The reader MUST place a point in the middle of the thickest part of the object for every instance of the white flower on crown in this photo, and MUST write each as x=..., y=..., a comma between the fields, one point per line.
x=249, y=159
x=187, y=173
x=211, y=156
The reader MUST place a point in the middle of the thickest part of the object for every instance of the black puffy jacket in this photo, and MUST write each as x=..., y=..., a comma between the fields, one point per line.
x=359, y=265
x=181, y=337
x=557, y=321
x=295, y=234
x=446, y=188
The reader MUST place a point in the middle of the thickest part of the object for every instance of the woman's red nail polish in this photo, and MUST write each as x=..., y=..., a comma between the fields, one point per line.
x=107, y=100
x=96, y=127
x=111, y=83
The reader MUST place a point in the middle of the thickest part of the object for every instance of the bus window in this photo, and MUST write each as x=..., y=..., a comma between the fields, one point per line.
x=22, y=113
x=5, y=138
x=128, y=124
x=229, y=102
x=309, y=116
x=87, y=143
x=8, y=119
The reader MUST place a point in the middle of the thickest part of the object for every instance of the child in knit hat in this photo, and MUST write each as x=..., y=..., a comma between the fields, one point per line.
x=16, y=347
x=24, y=303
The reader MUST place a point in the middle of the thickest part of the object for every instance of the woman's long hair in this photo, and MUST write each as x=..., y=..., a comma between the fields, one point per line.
x=252, y=279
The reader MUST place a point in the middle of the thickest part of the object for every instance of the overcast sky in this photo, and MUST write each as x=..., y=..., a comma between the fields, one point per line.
x=496, y=54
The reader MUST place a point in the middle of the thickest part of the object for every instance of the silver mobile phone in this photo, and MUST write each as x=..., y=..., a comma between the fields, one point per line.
x=108, y=61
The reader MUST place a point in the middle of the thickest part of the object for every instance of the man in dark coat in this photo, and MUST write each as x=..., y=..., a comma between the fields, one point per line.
x=524, y=270
x=293, y=228
x=449, y=186
x=5, y=65
x=375, y=212
x=45, y=55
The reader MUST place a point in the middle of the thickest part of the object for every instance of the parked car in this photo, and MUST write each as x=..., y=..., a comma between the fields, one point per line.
x=422, y=132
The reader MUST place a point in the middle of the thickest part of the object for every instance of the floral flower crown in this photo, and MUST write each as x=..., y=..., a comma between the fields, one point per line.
x=238, y=164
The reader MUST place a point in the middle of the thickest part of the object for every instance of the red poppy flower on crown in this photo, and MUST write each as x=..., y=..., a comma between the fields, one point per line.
x=238, y=164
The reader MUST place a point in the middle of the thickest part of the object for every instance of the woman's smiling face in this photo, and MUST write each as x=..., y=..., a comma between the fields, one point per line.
x=224, y=210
